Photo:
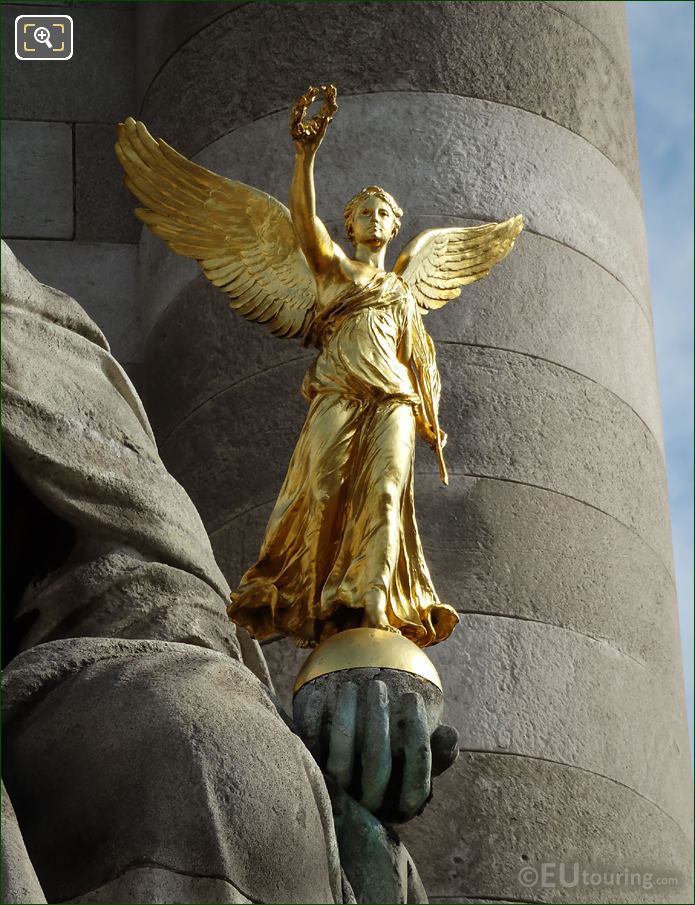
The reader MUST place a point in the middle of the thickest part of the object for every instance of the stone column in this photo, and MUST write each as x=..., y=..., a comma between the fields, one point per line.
x=553, y=539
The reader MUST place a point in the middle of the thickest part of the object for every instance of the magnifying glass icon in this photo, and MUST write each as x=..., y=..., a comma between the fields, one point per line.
x=43, y=36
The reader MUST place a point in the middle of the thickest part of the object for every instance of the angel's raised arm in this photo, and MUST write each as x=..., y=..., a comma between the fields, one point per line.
x=318, y=247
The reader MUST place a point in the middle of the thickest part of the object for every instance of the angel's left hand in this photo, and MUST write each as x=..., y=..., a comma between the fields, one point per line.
x=428, y=434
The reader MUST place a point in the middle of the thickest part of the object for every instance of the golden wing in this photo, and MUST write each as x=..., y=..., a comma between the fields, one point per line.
x=242, y=238
x=438, y=262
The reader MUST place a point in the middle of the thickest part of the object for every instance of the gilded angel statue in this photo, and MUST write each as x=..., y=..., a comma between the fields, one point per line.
x=341, y=548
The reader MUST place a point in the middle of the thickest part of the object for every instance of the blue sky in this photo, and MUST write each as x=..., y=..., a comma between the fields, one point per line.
x=661, y=37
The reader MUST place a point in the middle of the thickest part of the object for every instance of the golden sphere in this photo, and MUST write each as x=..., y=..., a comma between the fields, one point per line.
x=367, y=648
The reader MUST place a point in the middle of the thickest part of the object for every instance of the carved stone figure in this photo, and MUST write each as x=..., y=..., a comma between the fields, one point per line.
x=144, y=759
x=144, y=755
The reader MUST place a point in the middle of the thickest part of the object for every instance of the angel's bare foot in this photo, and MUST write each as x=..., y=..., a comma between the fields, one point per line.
x=375, y=612
x=388, y=628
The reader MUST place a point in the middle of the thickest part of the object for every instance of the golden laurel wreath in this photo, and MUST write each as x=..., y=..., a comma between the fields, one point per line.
x=298, y=127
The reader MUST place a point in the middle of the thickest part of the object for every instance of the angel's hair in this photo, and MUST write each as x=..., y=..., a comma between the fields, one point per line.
x=370, y=191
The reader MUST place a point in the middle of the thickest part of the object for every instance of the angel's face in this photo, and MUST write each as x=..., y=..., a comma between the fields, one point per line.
x=373, y=222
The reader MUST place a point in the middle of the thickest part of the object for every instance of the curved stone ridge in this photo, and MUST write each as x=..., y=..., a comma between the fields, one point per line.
x=484, y=50
x=215, y=350
x=164, y=29
x=508, y=416
x=513, y=811
x=526, y=420
x=492, y=161
x=562, y=561
x=536, y=690
x=605, y=21
x=550, y=302
x=545, y=301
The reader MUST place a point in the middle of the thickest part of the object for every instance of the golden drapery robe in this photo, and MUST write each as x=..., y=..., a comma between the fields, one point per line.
x=343, y=529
